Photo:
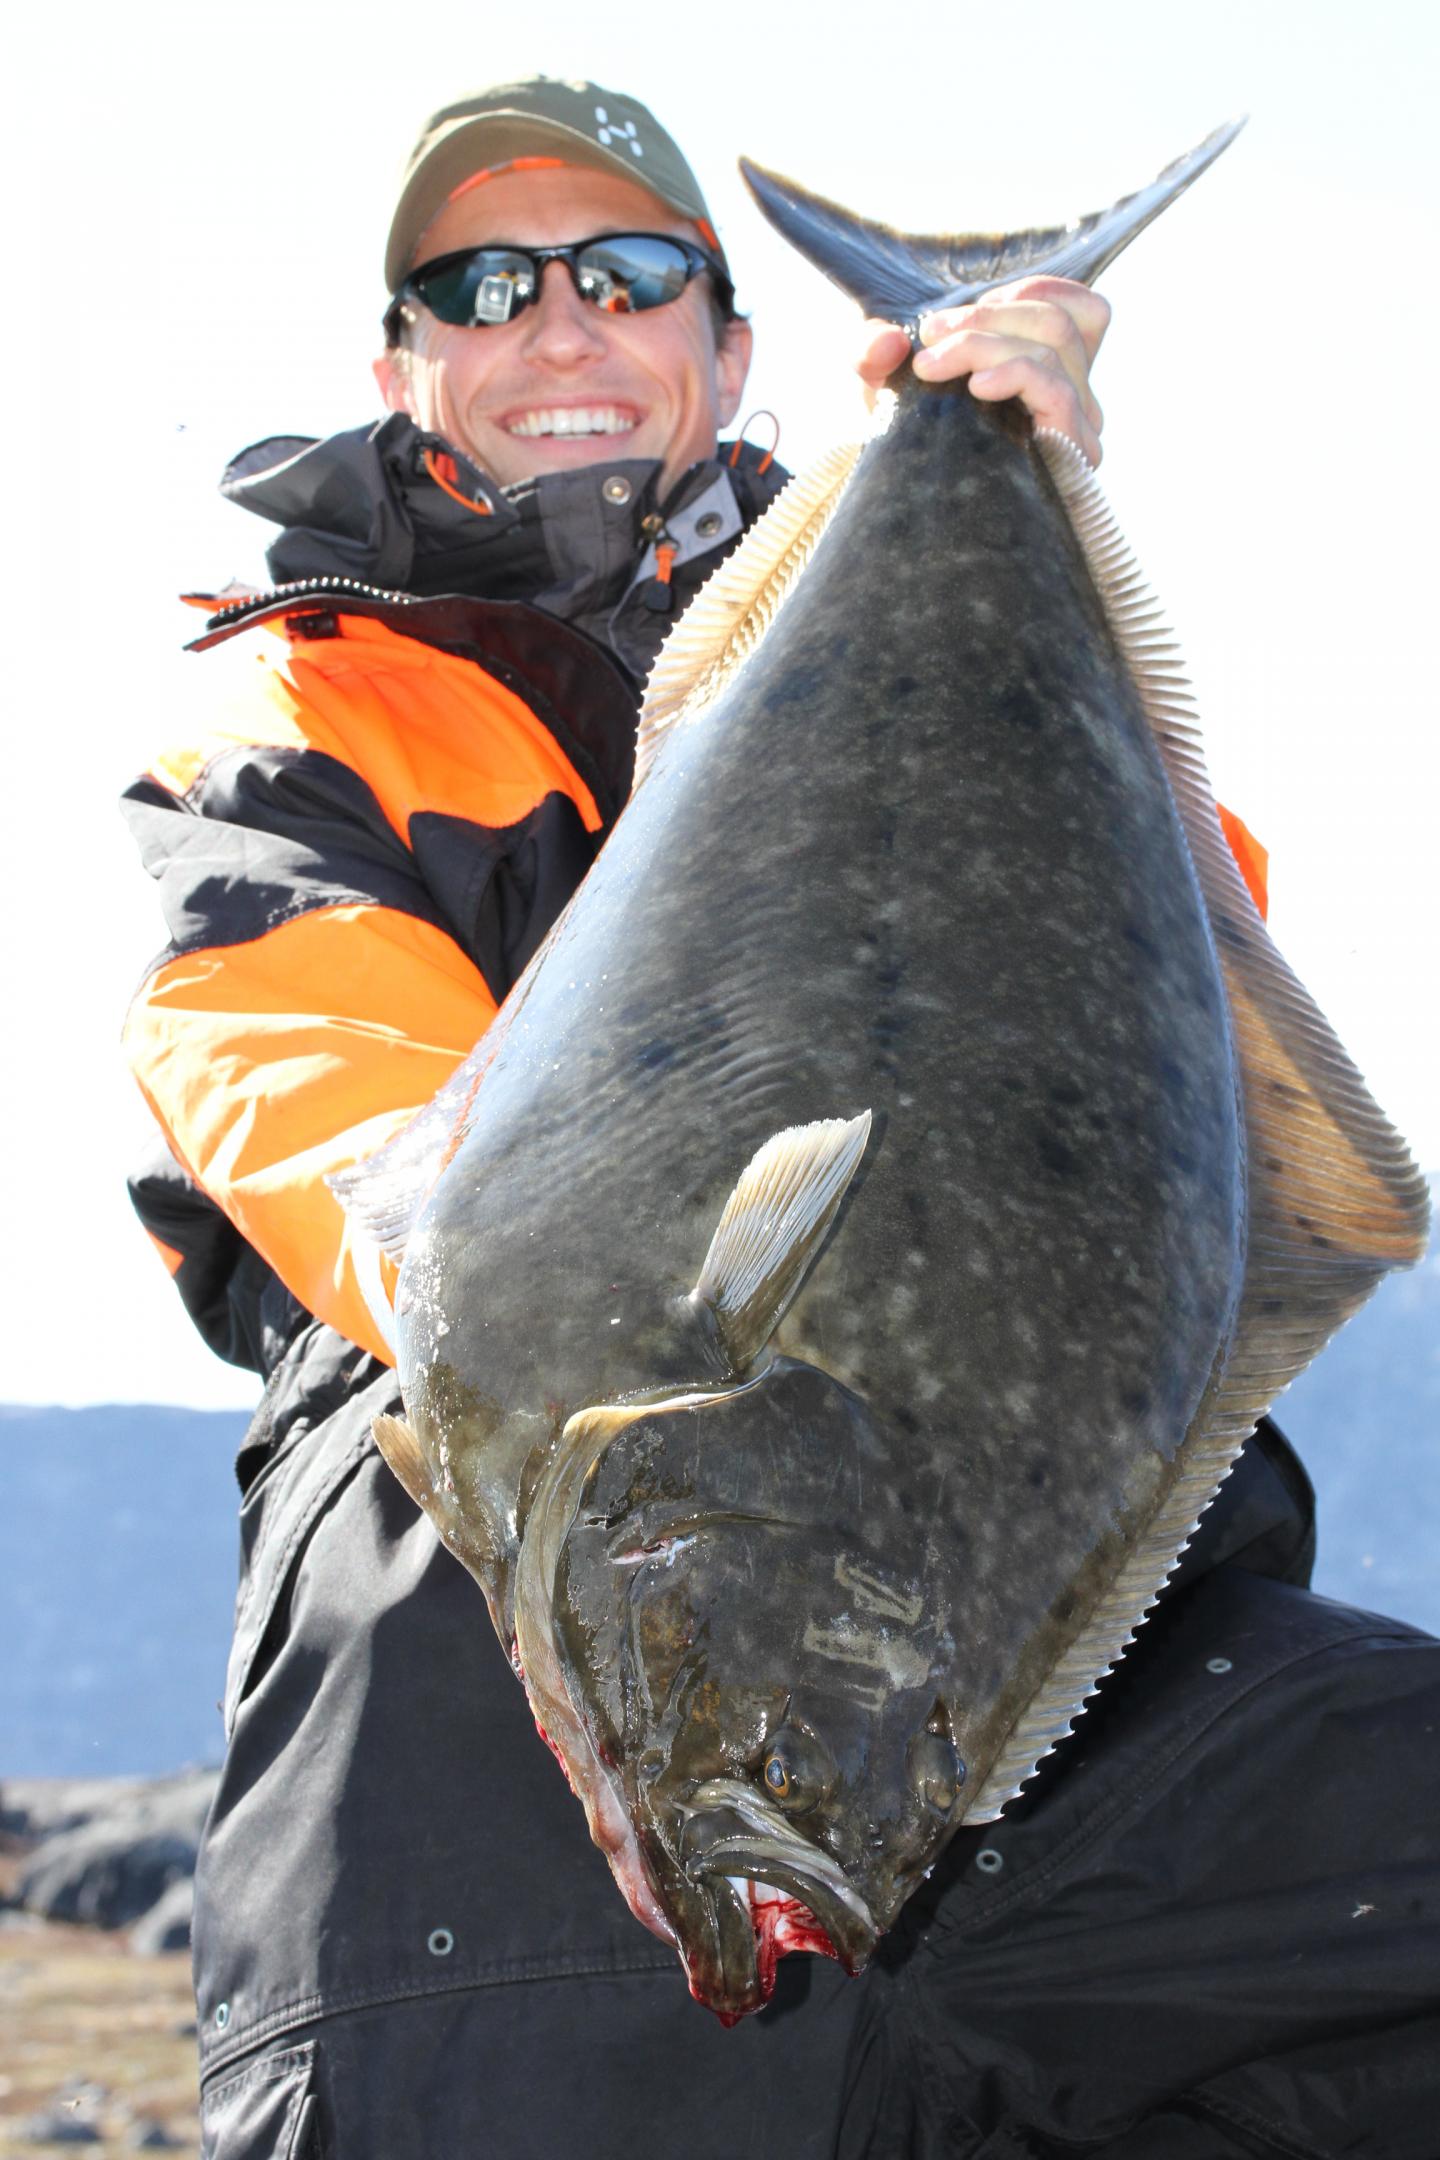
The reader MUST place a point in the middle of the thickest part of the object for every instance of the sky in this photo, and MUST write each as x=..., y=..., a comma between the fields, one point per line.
x=198, y=210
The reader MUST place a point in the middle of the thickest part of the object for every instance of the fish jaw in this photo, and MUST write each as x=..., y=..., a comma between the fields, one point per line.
x=783, y=1927
x=732, y=1833
x=742, y=1890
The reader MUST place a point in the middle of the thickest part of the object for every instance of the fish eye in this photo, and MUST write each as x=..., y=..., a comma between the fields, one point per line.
x=936, y=1771
x=796, y=1770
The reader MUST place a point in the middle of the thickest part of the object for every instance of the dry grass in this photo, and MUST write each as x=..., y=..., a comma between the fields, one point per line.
x=93, y=2033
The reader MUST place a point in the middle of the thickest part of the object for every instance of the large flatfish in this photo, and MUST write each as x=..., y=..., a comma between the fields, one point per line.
x=879, y=1217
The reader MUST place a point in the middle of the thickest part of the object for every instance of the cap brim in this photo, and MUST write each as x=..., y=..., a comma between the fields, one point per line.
x=498, y=138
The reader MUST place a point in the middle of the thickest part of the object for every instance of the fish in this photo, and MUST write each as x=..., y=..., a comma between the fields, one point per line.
x=843, y=1276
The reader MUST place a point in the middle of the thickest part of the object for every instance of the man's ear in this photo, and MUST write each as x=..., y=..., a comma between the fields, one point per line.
x=732, y=365
x=393, y=376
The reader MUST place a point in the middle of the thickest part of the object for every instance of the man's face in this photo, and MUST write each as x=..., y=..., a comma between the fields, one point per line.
x=652, y=385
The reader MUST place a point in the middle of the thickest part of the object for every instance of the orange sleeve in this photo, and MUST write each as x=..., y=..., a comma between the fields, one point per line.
x=271, y=1063
x=1254, y=860
x=312, y=999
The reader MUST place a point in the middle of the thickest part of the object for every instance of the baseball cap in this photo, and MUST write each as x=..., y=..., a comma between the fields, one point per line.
x=577, y=123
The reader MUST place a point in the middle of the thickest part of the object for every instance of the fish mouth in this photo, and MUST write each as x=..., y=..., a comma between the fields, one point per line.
x=734, y=1848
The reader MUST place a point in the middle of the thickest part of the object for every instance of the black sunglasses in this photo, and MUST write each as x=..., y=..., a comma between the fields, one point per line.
x=623, y=273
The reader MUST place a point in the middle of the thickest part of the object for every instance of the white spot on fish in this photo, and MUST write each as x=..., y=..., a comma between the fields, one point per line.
x=872, y=1591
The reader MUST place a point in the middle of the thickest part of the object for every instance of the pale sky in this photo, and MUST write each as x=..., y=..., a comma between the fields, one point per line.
x=199, y=203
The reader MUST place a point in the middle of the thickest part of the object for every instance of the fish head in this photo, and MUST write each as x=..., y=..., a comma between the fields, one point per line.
x=748, y=1624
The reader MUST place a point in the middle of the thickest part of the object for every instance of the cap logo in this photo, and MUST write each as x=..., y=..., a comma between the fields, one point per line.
x=609, y=131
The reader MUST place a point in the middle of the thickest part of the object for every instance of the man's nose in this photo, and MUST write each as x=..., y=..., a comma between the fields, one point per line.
x=564, y=330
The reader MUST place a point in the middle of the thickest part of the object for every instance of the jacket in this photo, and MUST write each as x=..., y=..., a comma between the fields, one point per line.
x=1208, y=1928
x=393, y=799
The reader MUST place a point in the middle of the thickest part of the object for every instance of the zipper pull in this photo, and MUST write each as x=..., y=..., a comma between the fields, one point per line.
x=657, y=592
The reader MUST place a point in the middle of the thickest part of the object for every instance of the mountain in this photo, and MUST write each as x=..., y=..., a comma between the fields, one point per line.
x=118, y=1558
x=118, y=1542
x=1366, y=1420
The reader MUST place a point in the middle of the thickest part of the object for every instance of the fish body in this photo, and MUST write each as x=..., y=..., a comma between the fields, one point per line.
x=851, y=1275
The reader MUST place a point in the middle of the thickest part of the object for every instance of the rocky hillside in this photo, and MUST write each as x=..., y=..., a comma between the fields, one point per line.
x=95, y=2006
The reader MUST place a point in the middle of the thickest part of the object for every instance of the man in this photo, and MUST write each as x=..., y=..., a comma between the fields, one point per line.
x=403, y=1944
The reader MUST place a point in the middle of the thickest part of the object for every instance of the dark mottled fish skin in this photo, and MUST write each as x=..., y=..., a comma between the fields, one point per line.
x=955, y=894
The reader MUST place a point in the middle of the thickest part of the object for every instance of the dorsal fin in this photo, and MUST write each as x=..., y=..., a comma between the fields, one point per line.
x=1333, y=1198
x=735, y=607
x=901, y=276
x=774, y=1223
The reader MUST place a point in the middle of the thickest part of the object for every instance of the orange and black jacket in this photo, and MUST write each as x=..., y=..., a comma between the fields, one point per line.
x=414, y=753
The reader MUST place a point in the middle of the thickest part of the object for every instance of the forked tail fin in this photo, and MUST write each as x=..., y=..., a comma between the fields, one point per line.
x=902, y=276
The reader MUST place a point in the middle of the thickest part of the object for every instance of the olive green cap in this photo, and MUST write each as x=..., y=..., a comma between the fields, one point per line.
x=576, y=122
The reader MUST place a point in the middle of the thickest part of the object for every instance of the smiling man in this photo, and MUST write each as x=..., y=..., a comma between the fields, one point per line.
x=405, y=1947
x=571, y=368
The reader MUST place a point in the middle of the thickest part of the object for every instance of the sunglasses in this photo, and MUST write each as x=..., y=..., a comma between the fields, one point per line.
x=623, y=273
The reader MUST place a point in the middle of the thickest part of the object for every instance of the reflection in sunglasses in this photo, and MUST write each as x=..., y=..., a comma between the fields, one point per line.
x=620, y=273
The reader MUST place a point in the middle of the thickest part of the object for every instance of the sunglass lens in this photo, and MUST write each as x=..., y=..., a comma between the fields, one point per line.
x=485, y=286
x=628, y=275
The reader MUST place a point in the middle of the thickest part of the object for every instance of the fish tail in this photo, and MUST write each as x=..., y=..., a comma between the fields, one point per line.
x=901, y=277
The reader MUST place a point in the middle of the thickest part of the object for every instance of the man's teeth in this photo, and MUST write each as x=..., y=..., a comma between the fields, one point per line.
x=572, y=420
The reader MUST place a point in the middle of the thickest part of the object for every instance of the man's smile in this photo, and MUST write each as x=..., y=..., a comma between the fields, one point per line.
x=571, y=420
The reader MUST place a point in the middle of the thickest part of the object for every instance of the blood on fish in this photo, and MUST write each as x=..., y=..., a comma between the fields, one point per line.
x=555, y=1751
x=782, y=1927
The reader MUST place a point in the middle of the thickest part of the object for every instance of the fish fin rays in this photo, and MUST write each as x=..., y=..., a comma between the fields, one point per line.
x=900, y=276
x=1333, y=1193
x=402, y=1452
x=773, y=1225
x=1333, y=1198
x=736, y=606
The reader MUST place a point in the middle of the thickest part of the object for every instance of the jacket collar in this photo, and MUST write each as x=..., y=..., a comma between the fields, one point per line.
x=397, y=508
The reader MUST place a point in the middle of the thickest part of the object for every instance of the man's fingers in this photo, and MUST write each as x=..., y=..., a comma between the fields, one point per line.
x=966, y=351
x=1023, y=324
x=1057, y=301
x=883, y=349
x=1034, y=340
x=1049, y=397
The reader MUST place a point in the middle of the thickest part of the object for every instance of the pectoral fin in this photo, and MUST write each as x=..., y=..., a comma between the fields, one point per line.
x=774, y=1224
x=466, y=1539
x=401, y=1450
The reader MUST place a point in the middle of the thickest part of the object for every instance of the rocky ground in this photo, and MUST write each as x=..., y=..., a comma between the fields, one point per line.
x=98, y=2046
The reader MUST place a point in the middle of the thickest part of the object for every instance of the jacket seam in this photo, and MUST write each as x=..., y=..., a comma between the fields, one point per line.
x=327, y=1490
x=269, y=2070
x=298, y=911
x=1237, y=2117
x=321, y=2005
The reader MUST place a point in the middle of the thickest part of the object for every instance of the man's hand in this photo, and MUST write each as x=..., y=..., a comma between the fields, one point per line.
x=1035, y=340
